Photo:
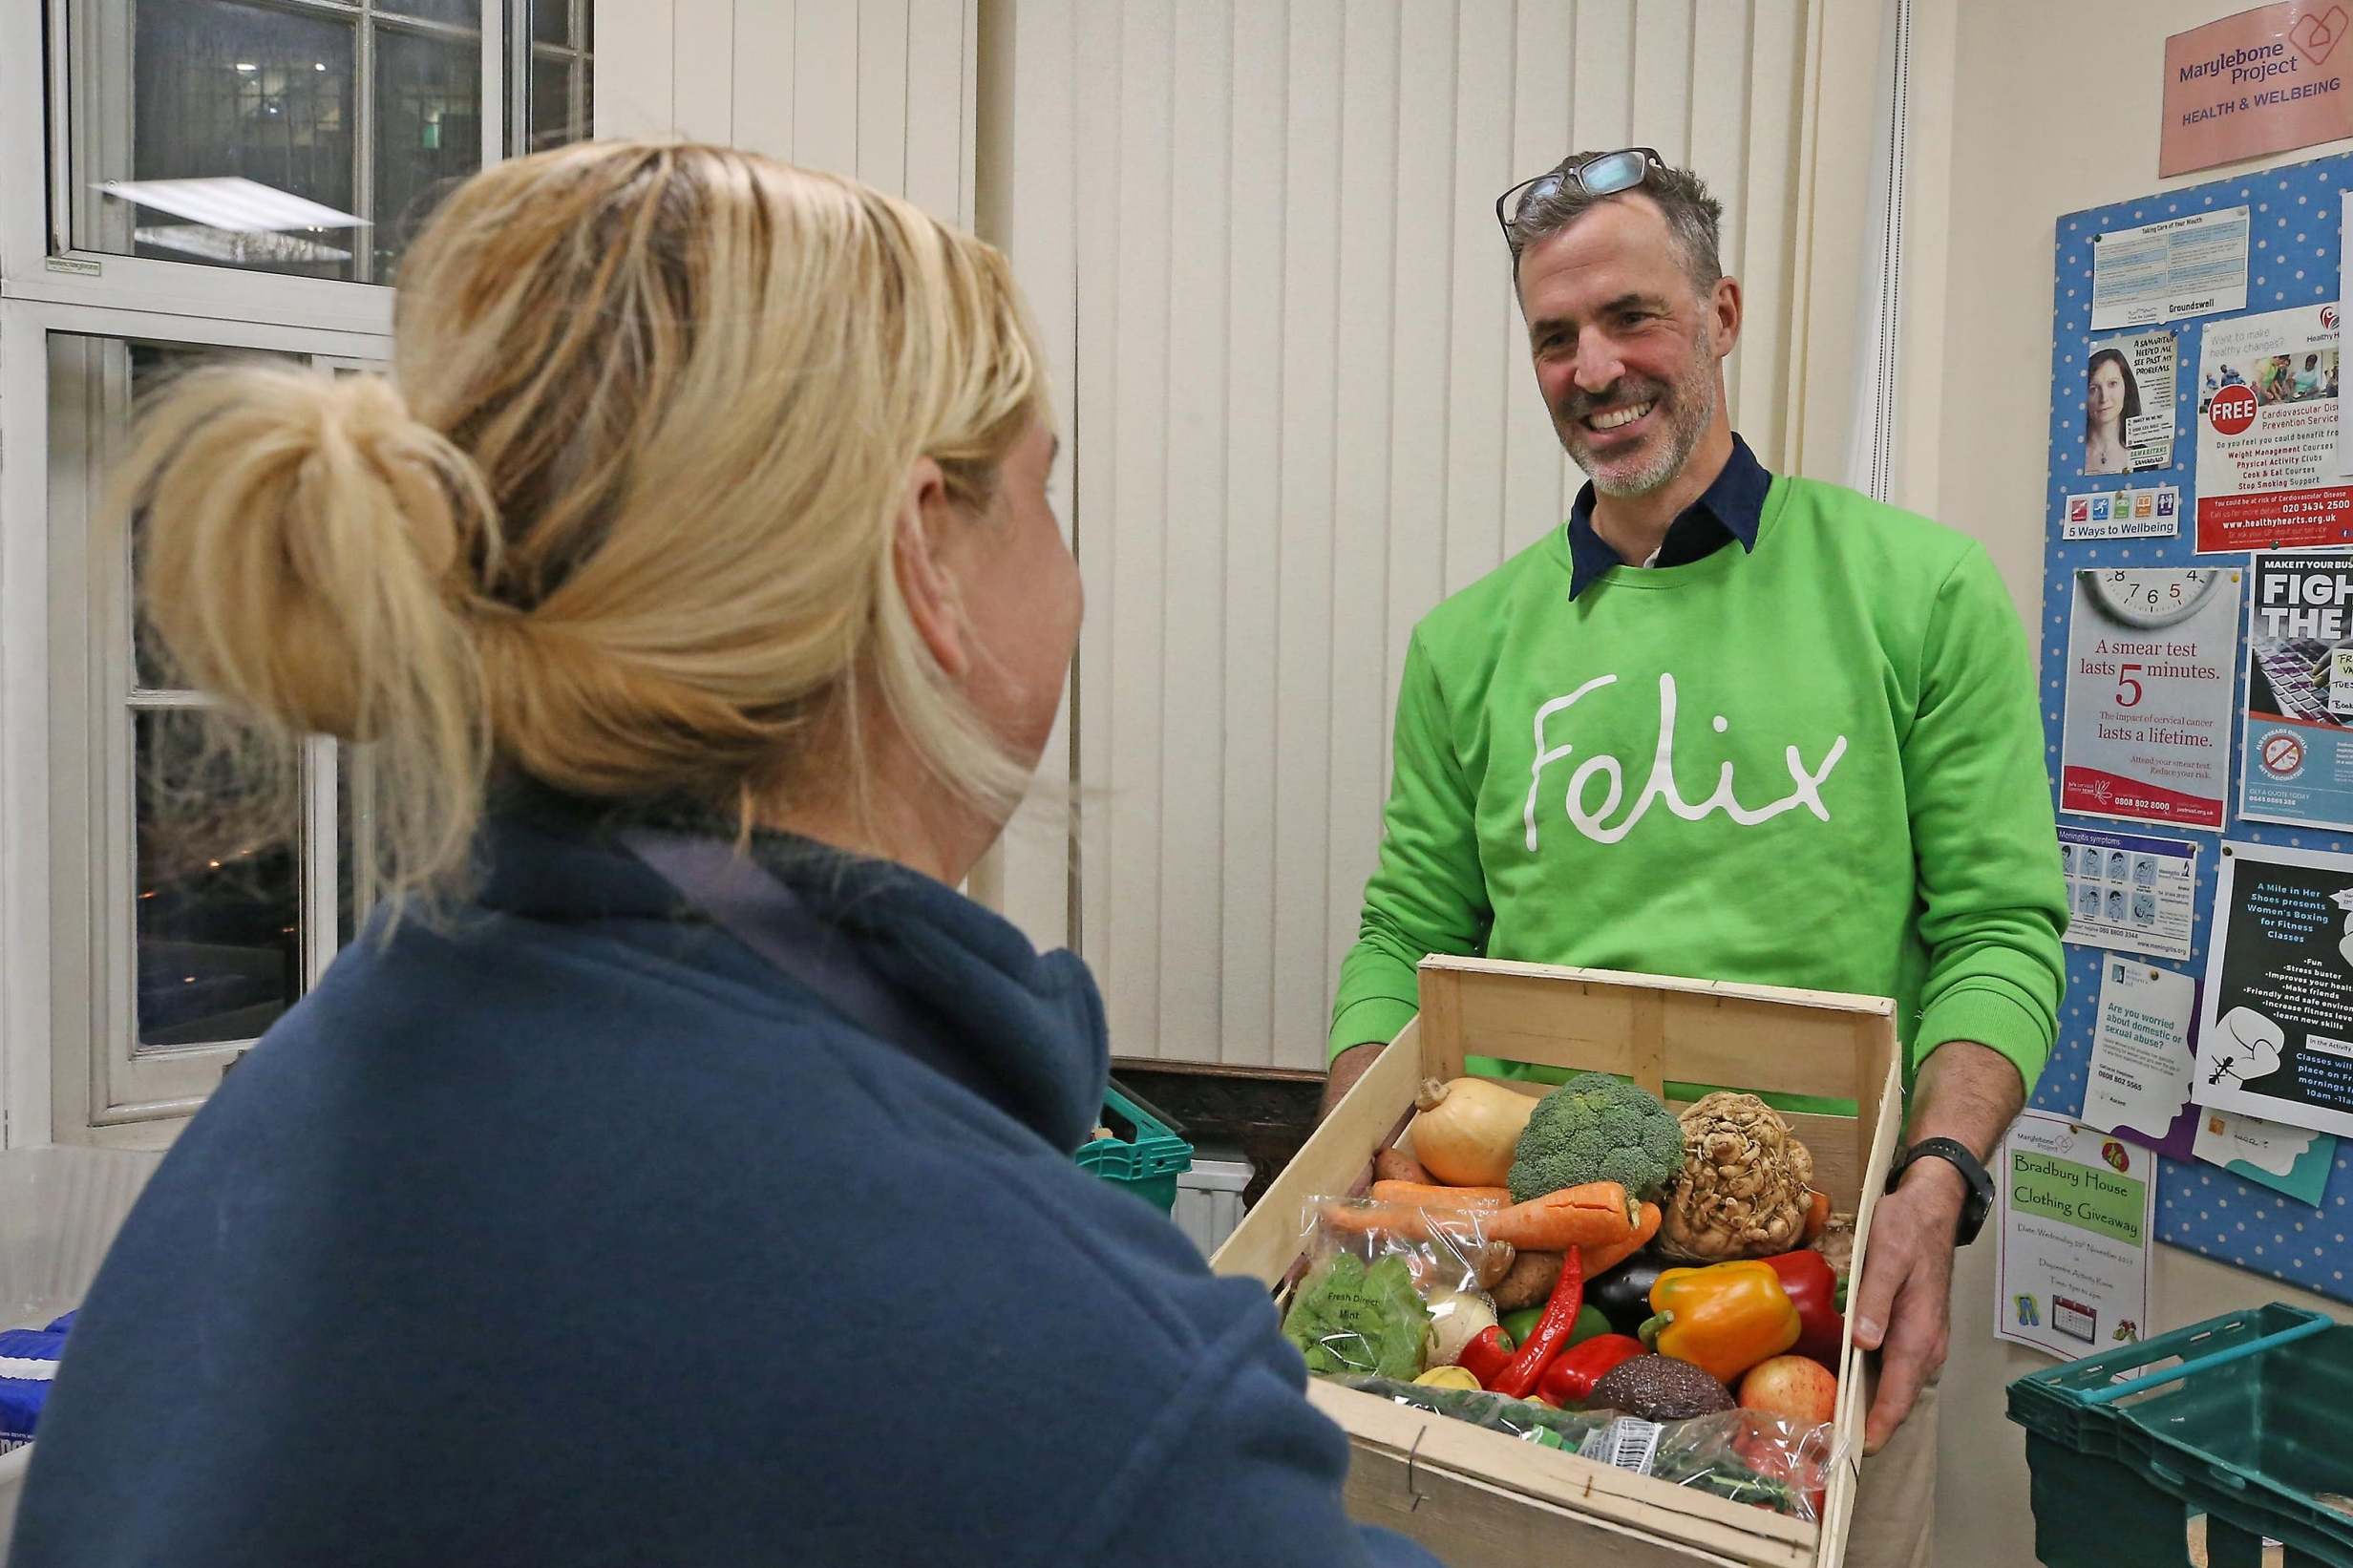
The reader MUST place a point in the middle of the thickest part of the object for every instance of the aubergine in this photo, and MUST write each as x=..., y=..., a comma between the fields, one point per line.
x=1624, y=1293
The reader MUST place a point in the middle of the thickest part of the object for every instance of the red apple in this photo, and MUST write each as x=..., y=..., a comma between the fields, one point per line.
x=1794, y=1388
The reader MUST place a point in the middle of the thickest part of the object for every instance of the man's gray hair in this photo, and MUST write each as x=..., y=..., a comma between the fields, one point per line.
x=1692, y=215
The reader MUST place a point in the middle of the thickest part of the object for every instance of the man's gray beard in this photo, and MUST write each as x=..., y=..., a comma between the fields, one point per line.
x=1669, y=462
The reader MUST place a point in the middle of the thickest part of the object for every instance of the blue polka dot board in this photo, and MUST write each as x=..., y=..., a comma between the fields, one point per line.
x=2293, y=260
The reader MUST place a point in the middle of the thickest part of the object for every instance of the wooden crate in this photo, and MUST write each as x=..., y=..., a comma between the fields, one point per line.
x=1481, y=1497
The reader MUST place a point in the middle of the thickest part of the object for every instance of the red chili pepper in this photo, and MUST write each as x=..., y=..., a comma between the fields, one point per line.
x=1569, y=1380
x=1813, y=1288
x=1552, y=1330
x=1486, y=1356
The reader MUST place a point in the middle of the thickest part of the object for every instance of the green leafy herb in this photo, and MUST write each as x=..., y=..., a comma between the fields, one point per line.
x=1351, y=1318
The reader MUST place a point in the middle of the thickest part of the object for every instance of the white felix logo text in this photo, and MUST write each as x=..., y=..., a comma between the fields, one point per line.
x=1661, y=785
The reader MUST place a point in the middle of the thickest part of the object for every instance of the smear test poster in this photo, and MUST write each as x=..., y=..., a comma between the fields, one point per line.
x=2298, y=762
x=2149, y=659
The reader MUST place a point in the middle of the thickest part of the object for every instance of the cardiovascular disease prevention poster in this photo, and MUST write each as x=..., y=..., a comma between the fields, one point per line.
x=2151, y=657
x=2275, y=1029
x=2267, y=472
x=2298, y=766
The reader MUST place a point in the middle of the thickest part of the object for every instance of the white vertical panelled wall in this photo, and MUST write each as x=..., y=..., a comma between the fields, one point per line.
x=879, y=89
x=1260, y=235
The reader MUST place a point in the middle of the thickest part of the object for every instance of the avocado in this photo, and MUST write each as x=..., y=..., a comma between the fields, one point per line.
x=1659, y=1389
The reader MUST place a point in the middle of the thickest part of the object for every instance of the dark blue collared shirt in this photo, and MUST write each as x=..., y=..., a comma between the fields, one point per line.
x=1729, y=509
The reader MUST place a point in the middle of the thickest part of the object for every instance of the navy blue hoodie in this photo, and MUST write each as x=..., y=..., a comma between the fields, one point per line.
x=567, y=1229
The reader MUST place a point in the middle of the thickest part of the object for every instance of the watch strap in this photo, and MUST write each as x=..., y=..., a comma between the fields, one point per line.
x=1979, y=1200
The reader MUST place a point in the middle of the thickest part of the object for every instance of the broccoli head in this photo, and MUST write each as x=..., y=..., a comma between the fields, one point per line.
x=1596, y=1128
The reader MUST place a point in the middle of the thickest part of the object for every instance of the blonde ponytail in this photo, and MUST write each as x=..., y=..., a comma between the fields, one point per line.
x=304, y=536
x=627, y=525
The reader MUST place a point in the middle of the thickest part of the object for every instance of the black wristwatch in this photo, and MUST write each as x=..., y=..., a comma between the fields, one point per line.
x=1975, y=1207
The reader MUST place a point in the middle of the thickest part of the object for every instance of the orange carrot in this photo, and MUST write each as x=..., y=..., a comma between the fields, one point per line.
x=1596, y=1213
x=1600, y=1260
x=1403, y=1220
x=1817, y=1215
x=1426, y=1194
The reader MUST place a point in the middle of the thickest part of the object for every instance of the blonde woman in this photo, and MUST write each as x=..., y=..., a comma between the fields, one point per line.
x=629, y=1198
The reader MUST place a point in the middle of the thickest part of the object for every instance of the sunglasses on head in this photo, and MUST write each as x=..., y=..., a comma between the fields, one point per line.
x=1605, y=174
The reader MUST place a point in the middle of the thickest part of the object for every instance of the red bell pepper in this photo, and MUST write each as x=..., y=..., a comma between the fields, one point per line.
x=1552, y=1330
x=1486, y=1356
x=1568, y=1382
x=1813, y=1288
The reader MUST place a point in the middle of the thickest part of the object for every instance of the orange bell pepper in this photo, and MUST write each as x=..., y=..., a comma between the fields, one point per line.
x=1723, y=1319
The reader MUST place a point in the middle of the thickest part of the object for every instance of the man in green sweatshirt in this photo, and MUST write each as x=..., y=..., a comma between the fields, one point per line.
x=1734, y=725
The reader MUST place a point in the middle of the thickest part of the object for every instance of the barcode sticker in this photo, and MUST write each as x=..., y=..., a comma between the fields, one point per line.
x=1626, y=1443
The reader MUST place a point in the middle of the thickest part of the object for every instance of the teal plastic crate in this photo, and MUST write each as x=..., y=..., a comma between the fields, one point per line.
x=1146, y=1153
x=2242, y=1419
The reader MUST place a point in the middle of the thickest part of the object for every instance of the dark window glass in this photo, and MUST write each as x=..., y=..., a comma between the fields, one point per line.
x=551, y=102
x=223, y=89
x=428, y=131
x=218, y=903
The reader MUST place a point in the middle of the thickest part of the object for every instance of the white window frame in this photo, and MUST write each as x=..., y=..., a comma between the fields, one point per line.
x=39, y=259
x=66, y=849
x=60, y=1036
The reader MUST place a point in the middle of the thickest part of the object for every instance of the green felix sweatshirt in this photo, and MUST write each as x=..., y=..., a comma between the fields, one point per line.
x=1817, y=763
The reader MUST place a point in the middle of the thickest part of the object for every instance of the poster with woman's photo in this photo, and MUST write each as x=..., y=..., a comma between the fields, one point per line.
x=2267, y=470
x=2297, y=761
x=2275, y=1029
x=2129, y=392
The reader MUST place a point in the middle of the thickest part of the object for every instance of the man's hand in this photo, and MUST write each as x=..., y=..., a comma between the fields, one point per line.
x=1904, y=1304
x=1347, y=1068
x=1905, y=1307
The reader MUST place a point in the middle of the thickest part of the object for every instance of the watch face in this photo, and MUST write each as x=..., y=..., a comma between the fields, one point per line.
x=2152, y=597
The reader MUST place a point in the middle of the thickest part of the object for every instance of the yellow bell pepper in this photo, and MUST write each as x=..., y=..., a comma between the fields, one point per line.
x=1723, y=1319
x=1449, y=1377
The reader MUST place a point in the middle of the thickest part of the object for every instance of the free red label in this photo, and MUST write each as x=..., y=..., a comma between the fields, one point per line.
x=2233, y=410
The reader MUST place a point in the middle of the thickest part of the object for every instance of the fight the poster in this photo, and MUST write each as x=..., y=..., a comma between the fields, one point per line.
x=2297, y=761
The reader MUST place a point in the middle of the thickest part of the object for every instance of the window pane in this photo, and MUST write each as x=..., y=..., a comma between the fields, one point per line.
x=551, y=21
x=428, y=128
x=248, y=113
x=551, y=102
x=219, y=911
x=464, y=13
x=152, y=368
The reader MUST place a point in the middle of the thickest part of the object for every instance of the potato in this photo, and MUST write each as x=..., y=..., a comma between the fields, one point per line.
x=1396, y=1165
x=1529, y=1282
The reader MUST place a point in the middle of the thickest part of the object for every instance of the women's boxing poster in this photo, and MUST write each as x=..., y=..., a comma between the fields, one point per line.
x=2275, y=1031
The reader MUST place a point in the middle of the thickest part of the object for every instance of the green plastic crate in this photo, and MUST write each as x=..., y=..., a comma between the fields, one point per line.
x=1146, y=1153
x=2241, y=1419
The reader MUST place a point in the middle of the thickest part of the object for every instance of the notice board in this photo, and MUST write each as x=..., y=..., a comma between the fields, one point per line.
x=2293, y=238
